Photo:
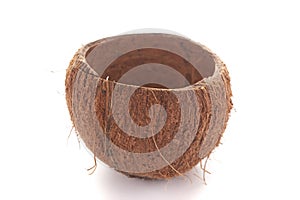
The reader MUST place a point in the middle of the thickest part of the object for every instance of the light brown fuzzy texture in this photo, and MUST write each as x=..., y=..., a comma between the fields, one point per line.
x=210, y=129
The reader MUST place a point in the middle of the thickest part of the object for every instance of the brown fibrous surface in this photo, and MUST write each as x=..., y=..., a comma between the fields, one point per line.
x=94, y=73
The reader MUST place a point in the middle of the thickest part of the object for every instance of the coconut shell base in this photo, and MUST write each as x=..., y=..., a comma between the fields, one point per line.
x=103, y=81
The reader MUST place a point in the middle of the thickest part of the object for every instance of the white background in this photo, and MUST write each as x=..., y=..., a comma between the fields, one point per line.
x=259, y=42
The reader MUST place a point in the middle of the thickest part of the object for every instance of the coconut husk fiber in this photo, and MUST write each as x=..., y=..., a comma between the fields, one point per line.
x=148, y=105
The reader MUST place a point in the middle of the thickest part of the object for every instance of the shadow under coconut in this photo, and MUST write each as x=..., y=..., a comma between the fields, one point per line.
x=119, y=186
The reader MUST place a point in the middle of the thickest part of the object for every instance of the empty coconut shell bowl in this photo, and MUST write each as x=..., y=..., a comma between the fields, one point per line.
x=149, y=105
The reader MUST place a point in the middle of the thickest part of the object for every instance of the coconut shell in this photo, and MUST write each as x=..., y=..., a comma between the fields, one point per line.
x=148, y=105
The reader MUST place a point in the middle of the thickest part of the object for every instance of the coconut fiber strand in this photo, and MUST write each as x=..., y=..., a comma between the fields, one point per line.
x=138, y=116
